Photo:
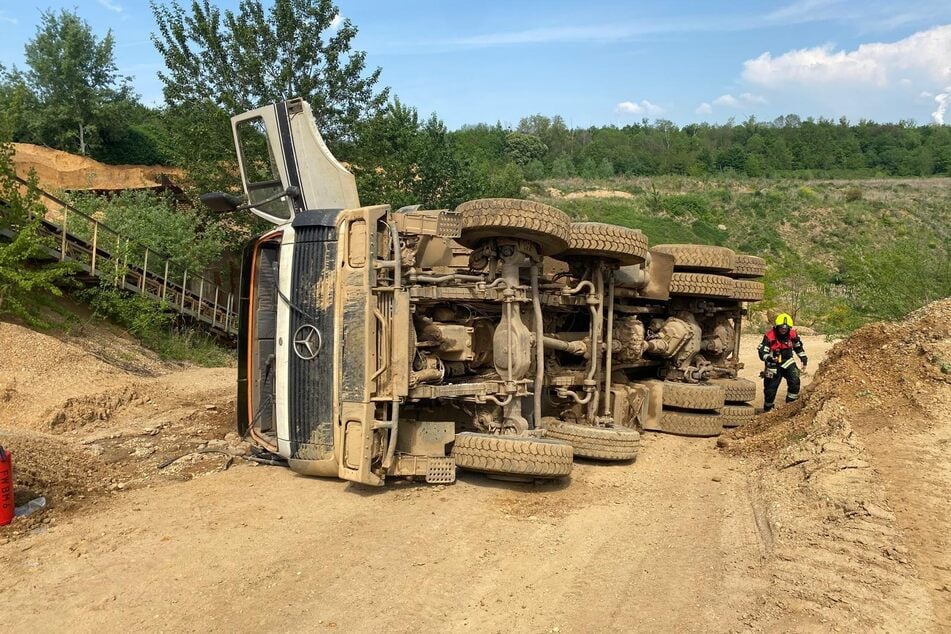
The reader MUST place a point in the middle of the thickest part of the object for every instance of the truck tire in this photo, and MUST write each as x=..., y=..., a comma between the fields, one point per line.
x=737, y=390
x=691, y=424
x=512, y=218
x=737, y=415
x=611, y=242
x=697, y=396
x=748, y=266
x=599, y=443
x=512, y=455
x=699, y=257
x=701, y=285
x=747, y=290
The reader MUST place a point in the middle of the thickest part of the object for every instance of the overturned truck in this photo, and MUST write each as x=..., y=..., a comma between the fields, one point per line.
x=499, y=336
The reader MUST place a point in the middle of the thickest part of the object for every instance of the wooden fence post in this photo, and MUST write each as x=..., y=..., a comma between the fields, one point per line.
x=62, y=247
x=95, y=241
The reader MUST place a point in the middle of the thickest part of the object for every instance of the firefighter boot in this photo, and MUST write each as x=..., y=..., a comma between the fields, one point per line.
x=792, y=384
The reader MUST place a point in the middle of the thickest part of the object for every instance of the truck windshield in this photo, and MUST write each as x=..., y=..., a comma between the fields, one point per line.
x=260, y=169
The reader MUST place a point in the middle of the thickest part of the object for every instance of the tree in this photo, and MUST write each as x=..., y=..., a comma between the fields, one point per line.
x=239, y=61
x=522, y=148
x=24, y=266
x=401, y=161
x=16, y=102
x=73, y=77
x=562, y=168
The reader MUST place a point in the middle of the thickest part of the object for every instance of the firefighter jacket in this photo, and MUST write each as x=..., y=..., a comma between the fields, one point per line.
x=781, y=348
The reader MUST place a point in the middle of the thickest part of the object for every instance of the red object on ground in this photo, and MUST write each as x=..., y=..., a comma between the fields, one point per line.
x=6, y=487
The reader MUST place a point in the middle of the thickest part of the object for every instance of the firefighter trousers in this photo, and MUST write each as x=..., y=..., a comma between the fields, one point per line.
x=771, y=385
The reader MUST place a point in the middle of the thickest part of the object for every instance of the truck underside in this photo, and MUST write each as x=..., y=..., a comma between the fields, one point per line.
x=499, y=336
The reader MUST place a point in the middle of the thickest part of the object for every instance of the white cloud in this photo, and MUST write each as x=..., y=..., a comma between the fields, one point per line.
x=638, y=107
x=923, y=53
x=112, y=6
x=944, y=101
x=751, y=99
x=336, y=22
x=925, y=94
x=727, y=100
x=7, y=19
x=744, y=100
x=704, y=108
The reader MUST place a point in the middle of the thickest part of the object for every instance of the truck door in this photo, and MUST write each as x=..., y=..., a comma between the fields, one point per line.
x=280, y=149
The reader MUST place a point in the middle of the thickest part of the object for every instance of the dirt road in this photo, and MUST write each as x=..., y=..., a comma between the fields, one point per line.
x=674, y=542
x=661, y=546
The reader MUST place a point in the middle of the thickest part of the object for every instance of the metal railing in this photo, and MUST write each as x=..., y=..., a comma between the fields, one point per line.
x=103, y=253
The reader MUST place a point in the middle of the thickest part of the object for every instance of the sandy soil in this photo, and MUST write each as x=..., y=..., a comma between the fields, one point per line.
x=688, y=538
x=56, y=170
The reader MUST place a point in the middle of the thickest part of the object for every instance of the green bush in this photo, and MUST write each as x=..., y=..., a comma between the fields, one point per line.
x=155, y=221
x=26, y=271
x=890, y=281
x=687, y=206
x=155, y=325
x=534, y=171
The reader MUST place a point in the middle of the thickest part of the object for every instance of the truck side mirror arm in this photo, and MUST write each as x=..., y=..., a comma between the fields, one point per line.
x=222, y=202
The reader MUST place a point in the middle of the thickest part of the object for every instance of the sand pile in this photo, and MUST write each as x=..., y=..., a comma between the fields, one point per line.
x=893, y=375
x=852, y=483
x=94, y=414
x=45, y=379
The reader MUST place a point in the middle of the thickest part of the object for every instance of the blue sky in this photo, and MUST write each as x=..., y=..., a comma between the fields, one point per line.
x=606, y=61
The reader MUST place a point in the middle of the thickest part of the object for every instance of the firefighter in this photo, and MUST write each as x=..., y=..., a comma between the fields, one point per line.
x=776, y=350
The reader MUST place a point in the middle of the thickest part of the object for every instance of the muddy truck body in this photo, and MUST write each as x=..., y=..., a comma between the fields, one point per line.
x=499, y=336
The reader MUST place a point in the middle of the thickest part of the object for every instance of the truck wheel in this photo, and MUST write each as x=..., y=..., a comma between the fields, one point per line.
x=512, y=455
x=702, y=396
x=737, y=390
x=699, y=257
x=600, y=443
x=737, y=415
x=747, y=290
x=511, y=218
x=596, y=239
x=701, y=285
x=691, y=424
x=748, y=266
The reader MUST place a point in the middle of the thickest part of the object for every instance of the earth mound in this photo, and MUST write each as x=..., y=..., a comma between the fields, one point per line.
x=96, y=413
x=864, y=457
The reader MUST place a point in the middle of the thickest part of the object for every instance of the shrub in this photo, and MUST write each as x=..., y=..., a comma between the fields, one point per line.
x=853, y=194
x=155, y=325
x=25, y=267
x=155, y=221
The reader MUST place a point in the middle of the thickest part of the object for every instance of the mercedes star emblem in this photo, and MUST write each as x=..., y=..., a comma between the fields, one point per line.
x=307, y=342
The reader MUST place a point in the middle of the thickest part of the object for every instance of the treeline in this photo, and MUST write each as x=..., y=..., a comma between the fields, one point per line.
x=545, y=147
x=70, y=96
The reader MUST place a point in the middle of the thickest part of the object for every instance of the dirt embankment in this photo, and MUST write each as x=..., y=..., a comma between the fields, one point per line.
x=851, y=485
x=86, y=416
x=57, y=170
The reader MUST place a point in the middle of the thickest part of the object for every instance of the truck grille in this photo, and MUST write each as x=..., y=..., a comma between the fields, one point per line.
x=310, y=381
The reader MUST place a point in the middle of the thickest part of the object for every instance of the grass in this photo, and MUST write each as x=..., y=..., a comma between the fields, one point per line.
x=831, y=245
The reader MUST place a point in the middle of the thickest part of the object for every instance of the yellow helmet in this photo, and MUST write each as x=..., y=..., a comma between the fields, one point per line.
x=784, y=319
